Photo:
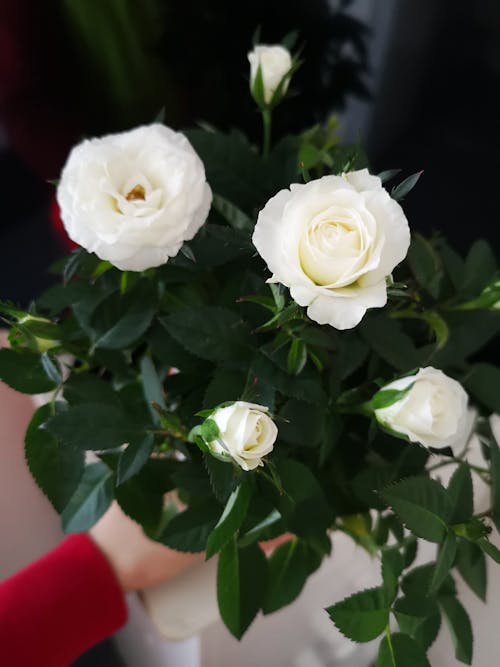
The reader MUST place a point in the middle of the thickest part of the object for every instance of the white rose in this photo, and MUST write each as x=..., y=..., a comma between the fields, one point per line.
x=133, y=198
x=333, y=241
x=246, y=434
x=275, y=63
x=433, y=412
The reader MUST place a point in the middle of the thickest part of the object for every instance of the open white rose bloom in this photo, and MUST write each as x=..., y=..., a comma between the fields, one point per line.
x=135, y=197
x=333, y=242
x=247, y=434
x=433, y=412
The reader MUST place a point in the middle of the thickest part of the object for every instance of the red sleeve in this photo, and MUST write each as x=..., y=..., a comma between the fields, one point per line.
x=61, y=605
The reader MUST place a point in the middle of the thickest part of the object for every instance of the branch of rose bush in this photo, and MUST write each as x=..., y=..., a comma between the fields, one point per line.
x=484, y=473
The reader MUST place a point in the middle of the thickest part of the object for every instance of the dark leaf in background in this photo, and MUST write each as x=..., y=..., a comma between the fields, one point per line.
x=91, y=499
x=23, y=371
x=57, y=469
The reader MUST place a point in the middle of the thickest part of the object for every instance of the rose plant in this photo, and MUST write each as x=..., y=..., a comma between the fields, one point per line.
x=281, y=355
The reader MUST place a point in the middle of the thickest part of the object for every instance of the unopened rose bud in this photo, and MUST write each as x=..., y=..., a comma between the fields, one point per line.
x=432, y=412
x=246, y=434
x=272, y=64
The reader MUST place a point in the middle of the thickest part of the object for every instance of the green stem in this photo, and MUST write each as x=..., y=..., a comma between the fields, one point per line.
x=389, y=643
x=449, y=461
x=266, y=121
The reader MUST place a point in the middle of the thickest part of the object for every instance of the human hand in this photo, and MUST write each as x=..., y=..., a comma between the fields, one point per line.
x=139, y=562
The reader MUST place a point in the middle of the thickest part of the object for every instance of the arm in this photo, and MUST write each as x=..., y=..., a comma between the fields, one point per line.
x=56, y=608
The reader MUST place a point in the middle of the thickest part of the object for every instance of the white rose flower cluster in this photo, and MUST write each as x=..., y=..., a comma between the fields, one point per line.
x=135, y=197
x=246, y=434
x=432, y=412
x=275, y=63
x=333, y=242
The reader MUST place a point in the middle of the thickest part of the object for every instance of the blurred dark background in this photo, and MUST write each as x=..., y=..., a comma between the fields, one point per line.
x=417, y=80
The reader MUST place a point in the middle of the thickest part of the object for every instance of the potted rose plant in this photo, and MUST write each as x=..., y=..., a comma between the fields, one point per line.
x=259, y=332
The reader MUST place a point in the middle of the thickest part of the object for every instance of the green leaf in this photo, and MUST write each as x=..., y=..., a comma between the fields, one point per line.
x=480, y=267
x=94, y=426
x=289, y=568
x=297, y=356
x=120, y=320
x=169, y=352
x=188, y=253
x=401, y=651
x=306, y=388
x=417, y=582
x=231, y=519
x=427, y=632
x=222, y=477
x=225, y=385
x=256, y=531
x=210, y=332
x=412, y=611
x=257, y=88
x=469, y=332
x=362, y=616
x=386, y=337
x=386, y=397
x=417, y=617
x=422, y=505
x=301, y=423
x=410, y=551
x=209, y=430
x=453, y=264
x=134, y=457
x=215, y=245
x=290, y=40
x=141, y=497
x=460, y=493
x=36, y=326
x=55, y=468
x=233, y=169
x=73, y=262
x=232, y=214
x=91, y=499
x=471, y=564
x=490, y=549
x=242, y=576
x=388, y=174
x=302, y=504
x=425, y=264
x=88, y=388
x=459, y=626
x=152, y=387
x=495, y=483
x=444, y=562
x=392, y=567
x=23, y=371
x=483, y=381
x=400, y=191
x=189, y=530
x=51, y=368
x=309, y=155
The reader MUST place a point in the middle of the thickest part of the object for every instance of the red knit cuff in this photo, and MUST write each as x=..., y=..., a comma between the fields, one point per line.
x=61, y=605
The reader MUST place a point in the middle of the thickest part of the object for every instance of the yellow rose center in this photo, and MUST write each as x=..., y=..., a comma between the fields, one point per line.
x=328, y=250
x=137, y=192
